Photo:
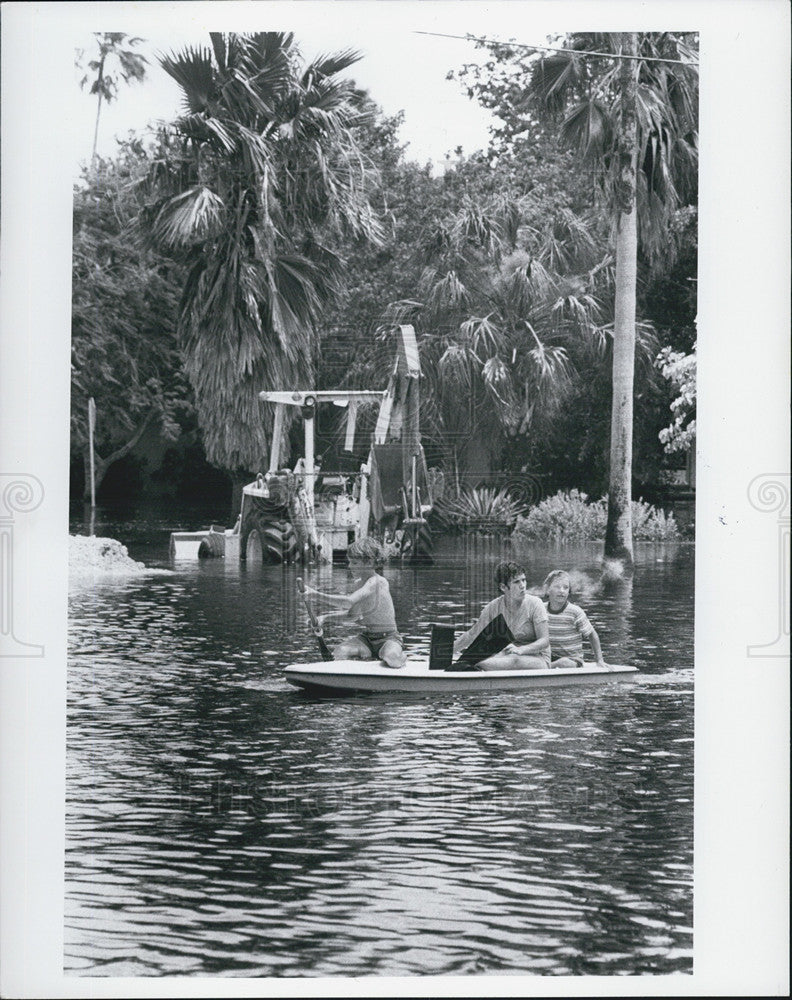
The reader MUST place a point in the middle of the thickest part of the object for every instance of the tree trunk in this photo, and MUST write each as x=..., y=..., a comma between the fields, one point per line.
x=618, y=533
x=98, y=112
x=103, y=464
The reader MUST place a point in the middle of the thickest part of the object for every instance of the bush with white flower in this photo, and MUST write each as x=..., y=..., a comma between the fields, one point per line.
x=680, y=370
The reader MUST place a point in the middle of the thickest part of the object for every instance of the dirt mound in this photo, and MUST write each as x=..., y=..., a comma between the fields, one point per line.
x=94, y=557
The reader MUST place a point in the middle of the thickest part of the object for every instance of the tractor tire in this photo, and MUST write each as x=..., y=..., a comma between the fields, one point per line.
x=279, y=542
x=212, y=547
x=271, y=542
x=268, y=536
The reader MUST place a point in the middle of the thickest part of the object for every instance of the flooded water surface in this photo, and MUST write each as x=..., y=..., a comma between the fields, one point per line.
x=221, y=823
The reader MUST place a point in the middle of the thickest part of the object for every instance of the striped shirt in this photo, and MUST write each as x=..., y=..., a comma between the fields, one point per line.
x=568, y=627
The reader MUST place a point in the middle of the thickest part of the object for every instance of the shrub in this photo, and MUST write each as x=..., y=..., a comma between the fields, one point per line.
x=653, y=525
x=482, y=509
x=565, y=517
x=570, y=517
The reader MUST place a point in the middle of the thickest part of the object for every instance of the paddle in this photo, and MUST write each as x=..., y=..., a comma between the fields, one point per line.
x=315, y=623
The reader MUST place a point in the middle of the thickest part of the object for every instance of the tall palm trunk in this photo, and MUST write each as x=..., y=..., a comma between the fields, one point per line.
x=618, y=533
x=98, y=111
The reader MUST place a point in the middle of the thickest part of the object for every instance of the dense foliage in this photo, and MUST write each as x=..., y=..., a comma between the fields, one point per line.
x=124, y=306
x=482, y=509
x=288, y=234
x=261, y=176
x=680, y=370
x=571, y=517
x=626, y=105
x=504, y=266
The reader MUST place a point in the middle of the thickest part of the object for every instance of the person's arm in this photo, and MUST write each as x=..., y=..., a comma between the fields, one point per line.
x=347, y=601
x=486, y=616
x=343, y=613
x=588, y=631
x=593, y=638
x=535, y=648
x=343, y=599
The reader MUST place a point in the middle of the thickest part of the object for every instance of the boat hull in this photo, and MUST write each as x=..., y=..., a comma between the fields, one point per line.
x=416, y=677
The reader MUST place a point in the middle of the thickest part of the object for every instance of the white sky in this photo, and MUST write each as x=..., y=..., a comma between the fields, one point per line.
x=401, y=69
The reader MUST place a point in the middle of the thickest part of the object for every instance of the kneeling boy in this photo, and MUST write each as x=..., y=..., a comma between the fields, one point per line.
x=372, y=604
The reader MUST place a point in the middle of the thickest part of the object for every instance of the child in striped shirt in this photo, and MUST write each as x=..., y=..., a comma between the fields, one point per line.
x=568, y=625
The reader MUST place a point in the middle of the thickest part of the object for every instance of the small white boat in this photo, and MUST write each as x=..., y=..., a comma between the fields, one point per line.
x=416, y=677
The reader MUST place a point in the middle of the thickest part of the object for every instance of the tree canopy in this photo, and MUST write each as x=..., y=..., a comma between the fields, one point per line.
x=288, y=234
x=115, y=60
x=627, y=105
x=124, y=308
x=262, y=176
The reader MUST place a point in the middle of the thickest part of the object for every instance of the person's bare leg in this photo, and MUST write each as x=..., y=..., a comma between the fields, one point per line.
x=512, y=661
x=352, y=649
x=392, y=654
x=565, y=663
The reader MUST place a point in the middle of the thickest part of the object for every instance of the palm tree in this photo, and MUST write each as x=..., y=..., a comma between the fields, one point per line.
x=633, y=121
x=619, y=531
x=262, y=173
x=114, y=47
x=501, y=303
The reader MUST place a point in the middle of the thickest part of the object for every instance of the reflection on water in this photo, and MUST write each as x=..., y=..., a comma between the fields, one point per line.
x=219, y=822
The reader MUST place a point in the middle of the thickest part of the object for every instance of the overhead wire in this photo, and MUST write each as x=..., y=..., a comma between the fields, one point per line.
x=556, y=48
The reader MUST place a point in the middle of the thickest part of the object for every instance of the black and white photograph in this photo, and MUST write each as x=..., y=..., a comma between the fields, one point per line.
x=392, y=603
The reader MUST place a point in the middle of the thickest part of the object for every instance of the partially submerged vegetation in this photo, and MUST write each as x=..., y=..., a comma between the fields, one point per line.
x=569, y=516
x=482, y=509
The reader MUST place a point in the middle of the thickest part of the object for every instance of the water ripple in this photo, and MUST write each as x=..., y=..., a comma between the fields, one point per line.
x=220, y=823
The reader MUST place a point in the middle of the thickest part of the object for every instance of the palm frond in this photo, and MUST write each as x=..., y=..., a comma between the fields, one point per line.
x=189, y=217
x=481, y=509
x=447, y=293
x=541, y=280
x=475, y=225
x=454, y=370
x=553, y=77
x=483, y=336
x=506, y=210
x=193, y=71
x=587, y=127
x=330, y=65
x=496, y=378
x=551, y=363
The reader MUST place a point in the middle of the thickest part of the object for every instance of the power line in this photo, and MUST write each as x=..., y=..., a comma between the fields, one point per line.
x=551, y=48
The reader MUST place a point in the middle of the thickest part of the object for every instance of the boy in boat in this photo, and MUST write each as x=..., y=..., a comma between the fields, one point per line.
x=372, y=604
x=568, y=624
x=515, y=624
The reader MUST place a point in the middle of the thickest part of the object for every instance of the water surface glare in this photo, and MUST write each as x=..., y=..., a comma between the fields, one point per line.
x=221, y=823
